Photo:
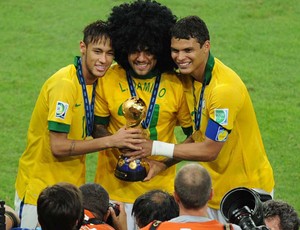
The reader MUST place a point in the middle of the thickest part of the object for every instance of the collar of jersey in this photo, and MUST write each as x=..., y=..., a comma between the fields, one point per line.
x=208, y=68
x=76, y=61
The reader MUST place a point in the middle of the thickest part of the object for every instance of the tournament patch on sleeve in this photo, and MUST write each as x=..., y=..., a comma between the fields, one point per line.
x=61, y=109
x=221, y=116
x=216, y=132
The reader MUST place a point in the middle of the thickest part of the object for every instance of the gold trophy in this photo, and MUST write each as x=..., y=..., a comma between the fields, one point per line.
x=134, y=110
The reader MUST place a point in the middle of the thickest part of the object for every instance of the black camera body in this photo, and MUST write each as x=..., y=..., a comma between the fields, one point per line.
x=115, y=207
x=243, y=207
x=2, y=215
x=117, y=211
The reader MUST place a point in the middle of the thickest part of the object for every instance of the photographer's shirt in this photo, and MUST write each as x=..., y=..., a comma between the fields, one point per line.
x=191, y=222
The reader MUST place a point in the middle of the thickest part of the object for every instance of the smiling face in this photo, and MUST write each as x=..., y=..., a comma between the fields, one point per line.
x=142, y=62
x=96, y=58
x=189, y=56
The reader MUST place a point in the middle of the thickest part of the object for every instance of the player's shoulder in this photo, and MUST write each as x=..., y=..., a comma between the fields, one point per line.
x=115, y=68
x=172, y=77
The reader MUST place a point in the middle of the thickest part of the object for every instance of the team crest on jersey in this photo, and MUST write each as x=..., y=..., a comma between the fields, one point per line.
x=61, y=109
x=221, y=116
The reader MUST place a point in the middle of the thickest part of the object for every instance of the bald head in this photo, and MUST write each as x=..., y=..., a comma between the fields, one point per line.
x=193, y=186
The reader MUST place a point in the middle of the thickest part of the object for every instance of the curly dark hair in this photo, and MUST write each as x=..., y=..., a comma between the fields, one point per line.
x=139, y=25
x=289, y=219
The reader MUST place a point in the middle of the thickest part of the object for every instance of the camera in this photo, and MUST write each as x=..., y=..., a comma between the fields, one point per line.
x=243, y=207
x=117, y=211
x=2, y=215
x=115, y=207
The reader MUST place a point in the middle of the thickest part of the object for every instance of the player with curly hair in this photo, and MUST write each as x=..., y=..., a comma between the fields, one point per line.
x=140, y=33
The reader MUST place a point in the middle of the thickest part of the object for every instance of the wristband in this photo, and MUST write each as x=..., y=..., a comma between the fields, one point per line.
x=162, y=149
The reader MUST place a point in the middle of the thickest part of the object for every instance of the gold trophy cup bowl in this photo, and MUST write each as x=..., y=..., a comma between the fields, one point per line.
x=134, y=110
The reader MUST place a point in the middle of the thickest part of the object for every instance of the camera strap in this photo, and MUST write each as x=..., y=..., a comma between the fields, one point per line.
x=92, y=221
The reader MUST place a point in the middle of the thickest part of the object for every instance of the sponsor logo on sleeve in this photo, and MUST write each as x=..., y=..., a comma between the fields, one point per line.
x=61, y=109
x=221, y=116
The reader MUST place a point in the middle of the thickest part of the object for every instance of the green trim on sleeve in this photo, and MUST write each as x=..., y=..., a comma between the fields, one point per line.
x=58, y=127
x=101, y=120
x=187, y=130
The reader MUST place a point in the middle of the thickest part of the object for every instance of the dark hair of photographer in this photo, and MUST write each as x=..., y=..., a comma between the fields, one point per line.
x=95, y=199
x=59, y=207
x=154, y=205
x=280, y=215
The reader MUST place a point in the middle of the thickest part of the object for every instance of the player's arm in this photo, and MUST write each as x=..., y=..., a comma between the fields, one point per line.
x=207, y=150
x=61, y=146
x=204, y=151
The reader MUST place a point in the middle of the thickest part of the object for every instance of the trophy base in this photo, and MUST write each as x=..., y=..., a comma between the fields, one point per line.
x=130, y=171
x=131, y=176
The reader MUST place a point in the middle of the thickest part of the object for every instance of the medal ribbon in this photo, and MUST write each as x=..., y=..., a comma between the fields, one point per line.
x=89, y=108
x=146, y=122
x=197, y=113
x=207, y=76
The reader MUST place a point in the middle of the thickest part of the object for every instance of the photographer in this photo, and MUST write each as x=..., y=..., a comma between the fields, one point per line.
x=154, y=205
x=280, y=215
x=193, y=190
x=98, y=211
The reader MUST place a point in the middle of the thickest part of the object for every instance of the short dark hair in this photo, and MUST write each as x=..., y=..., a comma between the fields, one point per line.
x=59, y=207
x=191, y=27
x=289, y=219
x=154, y=205
x=96, y=31
x=139, y=25
x=95, y=199
x=193, y=186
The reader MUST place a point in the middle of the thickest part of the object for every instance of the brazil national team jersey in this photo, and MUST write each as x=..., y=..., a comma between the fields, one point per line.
x=242, y=160
x=170, y=110
x=59, y=107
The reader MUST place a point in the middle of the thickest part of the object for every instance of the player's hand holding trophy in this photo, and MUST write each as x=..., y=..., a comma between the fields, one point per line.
x=134, y=110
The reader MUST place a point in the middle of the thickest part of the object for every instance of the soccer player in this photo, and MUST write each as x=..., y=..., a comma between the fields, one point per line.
x=141, y=41
x=226, y=138
x=61, y=122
